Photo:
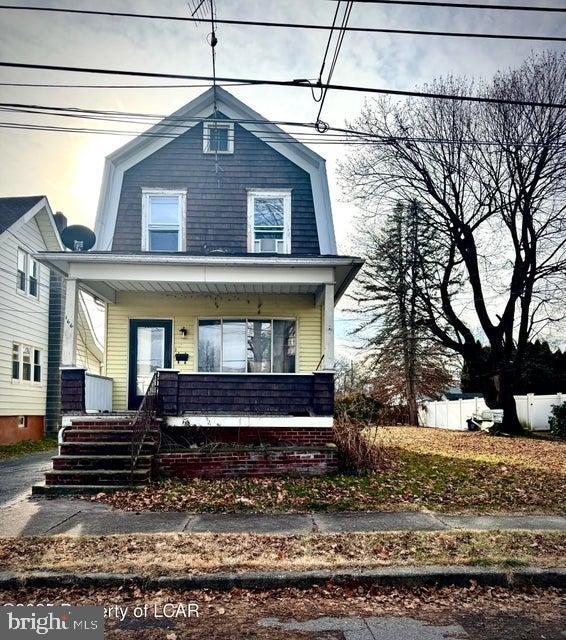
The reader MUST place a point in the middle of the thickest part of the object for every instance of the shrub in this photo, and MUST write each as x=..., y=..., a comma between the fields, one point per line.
x=557, y=420
x=358, y=446
x=358, y=407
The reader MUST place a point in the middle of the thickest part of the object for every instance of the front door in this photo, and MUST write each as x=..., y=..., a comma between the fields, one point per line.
x=150, y=350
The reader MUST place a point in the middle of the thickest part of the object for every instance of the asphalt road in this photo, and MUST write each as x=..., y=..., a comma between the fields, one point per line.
x=17, y=475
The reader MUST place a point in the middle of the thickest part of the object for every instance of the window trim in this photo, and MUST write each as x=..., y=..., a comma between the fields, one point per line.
x=33, y=350
x=270, y=193
x=294, y=319
x=218, y=124
x=181, y=195
x=29, y=261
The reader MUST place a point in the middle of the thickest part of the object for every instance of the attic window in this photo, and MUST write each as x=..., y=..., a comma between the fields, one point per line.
x=218, y=137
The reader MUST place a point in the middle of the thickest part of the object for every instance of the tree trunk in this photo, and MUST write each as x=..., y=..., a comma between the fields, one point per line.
x=499, y=395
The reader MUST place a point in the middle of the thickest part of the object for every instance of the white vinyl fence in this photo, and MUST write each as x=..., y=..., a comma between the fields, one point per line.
x=98, y=393
x=533, y=411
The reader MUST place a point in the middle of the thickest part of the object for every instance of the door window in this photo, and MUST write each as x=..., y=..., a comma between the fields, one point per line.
x=150, y=355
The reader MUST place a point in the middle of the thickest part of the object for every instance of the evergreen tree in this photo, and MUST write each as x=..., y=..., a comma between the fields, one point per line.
x=405, y=361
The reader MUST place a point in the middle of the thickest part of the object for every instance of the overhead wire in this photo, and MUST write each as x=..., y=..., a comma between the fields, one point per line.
x=286, y=25
x=300, y=83
x=466, y=5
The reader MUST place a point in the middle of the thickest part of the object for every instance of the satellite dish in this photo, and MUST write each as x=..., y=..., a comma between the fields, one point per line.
x=78, y=238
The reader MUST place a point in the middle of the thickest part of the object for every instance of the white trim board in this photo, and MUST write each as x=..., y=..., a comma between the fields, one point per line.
x=203, y=107
x=319, y=422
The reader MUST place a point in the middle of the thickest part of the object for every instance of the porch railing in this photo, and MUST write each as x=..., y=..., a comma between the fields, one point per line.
x=144, y=420
x=98, y=393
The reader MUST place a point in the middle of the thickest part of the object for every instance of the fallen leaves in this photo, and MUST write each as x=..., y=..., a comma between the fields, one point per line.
x=211, y=552
x=445, y=471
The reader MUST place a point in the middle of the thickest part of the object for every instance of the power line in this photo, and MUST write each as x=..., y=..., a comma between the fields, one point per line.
x=116, y=86
x=303, y=83
x=352, y=139
x=462, y=5
x=181, y=121
x=320, y=125
x=291, y=25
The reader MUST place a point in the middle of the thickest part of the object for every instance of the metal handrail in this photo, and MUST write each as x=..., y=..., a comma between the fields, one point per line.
x=144, y=419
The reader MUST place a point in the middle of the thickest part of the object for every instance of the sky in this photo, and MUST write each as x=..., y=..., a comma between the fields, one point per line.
x=67, y=167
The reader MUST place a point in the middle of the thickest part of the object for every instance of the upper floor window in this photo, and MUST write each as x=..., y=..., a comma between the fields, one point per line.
x=163, y=220
x=218, y=137
x=27, y=280
x=269, y=221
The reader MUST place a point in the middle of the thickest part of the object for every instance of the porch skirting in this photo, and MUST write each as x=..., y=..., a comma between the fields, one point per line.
x=303, y=461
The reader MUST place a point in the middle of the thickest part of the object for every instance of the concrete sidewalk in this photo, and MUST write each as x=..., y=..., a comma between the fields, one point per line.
x=78, y=517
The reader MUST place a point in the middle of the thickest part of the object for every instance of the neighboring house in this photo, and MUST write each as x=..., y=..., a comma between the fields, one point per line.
x=27, y=226
x=216, y=259
x=89, y=350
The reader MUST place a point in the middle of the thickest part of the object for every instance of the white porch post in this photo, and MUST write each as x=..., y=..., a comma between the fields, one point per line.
x=328, y=327
x=68, y=350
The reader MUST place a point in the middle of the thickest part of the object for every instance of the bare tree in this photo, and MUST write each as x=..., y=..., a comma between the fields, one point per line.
x=404, y=360
x=492, y=182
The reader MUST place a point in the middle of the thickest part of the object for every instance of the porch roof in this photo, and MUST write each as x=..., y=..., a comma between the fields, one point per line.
x=103, y=272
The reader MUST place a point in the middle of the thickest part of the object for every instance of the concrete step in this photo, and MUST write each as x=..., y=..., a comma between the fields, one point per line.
x=79, y=462
x=95, y=477
x=110, y=447
x=54, y=490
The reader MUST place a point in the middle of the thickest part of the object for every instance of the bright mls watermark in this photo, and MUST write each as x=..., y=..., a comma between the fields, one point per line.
x=53, y=622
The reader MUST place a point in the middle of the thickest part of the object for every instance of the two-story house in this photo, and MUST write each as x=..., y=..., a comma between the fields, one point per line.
x=216, y=258
x=27, y=226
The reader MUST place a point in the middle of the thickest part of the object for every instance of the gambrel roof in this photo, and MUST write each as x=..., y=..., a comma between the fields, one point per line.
x=203, y=107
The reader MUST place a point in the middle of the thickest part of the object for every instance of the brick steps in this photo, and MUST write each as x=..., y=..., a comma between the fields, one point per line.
x=97, y=477
x=102, y=448
x=95, y=455
x=78, y=462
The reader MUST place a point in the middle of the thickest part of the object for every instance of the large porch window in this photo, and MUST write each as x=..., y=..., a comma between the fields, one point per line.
x=247, y=345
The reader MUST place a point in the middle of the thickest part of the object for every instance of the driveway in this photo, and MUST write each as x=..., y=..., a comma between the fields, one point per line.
x=17, y=475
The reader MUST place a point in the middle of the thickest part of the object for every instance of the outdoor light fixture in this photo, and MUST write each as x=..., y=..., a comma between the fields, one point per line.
x=183, y=332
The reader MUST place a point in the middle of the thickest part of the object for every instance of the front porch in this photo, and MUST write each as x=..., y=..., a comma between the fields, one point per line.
x=238, y=352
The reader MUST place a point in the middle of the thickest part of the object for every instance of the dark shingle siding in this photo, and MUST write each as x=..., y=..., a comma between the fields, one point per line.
x=217, y=215
x=12, y=209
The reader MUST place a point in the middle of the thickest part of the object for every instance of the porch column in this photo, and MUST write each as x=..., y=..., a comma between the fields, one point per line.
x=68, y=348
x=328, y=327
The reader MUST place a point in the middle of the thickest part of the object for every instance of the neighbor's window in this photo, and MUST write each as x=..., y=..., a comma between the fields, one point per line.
x=163, y=214
x=22, y=270
x=16, y=361
x=36, y=365
x=33, y=277
x=269, y=221
x=247, y=345
x=218, y=137
x=26, y=363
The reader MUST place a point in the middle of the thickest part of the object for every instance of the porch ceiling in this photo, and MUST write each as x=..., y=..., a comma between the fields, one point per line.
x=104, y=273
x=204, y=287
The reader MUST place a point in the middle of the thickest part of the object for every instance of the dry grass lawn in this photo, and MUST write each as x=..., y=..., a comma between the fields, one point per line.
x=205, y=553
x=445, y=471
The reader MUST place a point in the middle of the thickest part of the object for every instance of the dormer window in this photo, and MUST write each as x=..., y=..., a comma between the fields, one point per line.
x=163, y=220
x=269, y=221
x=218, y=137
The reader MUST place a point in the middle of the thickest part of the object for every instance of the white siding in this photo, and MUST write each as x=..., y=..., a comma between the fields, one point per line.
x=23, y=319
